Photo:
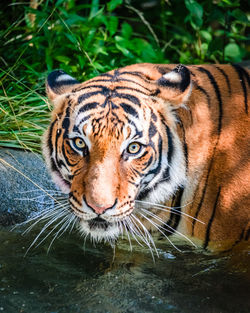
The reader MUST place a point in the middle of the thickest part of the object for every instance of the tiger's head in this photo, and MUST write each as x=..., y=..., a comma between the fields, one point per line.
x=113, y=140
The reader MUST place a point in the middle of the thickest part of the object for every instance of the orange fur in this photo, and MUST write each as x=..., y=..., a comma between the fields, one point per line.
x=209, y=115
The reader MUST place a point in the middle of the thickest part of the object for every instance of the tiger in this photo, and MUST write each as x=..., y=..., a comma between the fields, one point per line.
x=153, y=149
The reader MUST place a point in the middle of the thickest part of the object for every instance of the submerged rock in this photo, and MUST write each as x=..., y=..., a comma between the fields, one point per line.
x=24, y=181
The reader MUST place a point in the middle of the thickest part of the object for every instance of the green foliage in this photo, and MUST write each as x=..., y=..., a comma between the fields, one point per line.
x=86, y=38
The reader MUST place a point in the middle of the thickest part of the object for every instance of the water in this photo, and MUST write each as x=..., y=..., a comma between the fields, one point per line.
x=71, y=278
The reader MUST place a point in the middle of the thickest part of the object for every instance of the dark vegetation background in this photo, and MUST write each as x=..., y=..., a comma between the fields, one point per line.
x=86, y=38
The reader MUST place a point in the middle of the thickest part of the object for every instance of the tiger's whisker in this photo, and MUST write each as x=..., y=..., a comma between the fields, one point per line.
x=144, y=238
x=62, y=230
x=161, y=207
x=147, y=234
x=45, y=227
x=39, y=190
x=73, y=224
x=43, y=216
x=168, y=226
x=157, y=227
x=49, y=215
x=63, y=220
x=127, y=233
x=133, y=231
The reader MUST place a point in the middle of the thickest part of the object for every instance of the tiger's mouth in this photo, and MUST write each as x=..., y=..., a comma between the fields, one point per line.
x=98, y=223
x=99, y=229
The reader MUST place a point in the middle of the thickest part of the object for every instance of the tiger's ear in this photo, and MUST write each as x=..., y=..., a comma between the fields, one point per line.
x=58, y=83
x=175, y=86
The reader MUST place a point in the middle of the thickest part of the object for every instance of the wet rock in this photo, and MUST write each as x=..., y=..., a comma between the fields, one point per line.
x=22, y=175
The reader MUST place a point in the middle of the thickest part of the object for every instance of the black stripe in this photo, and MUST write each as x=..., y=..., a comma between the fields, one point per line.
x=170, y=145
x=133, y=89
x=217, y=92
x=71, y=195
x=226, y=78
x=88, y=95
x=144, y=154
x=136, y=172
x=245, y=74
x=106, y=74
x=152, y=130
x=166, y=175
x=88, y=106
x=154, y=117
x=53, y=164
x=74, y=207
x=129, y=97
x=56, y=148
x=204, y=188
x=185, y=147
x=158, y=168
x=66, y=120
x=65, y=156
x=132, y=183
x=205, y=93
x=138, y=74
x=209, y=225
x=241, y=73
x=247, y=234
x=129, y=109
x=155, y=171
x=172, y=224
x=49, y=142
x=134, y=82
x=202, y=199
x=86, y=84
x=85, y=118
x=241, y=237
x=147, y=164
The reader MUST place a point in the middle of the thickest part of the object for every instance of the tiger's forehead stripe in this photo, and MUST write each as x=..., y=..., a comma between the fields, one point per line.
x=108, y=97
x=116, y=77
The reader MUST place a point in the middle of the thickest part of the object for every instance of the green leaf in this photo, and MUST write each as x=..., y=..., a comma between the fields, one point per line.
x=111, y=5
x=126, y=30
x=229, y=3
x=233, y=53
x=205, y=35
x=63, y=59
x=94, y=8
x=196, y=13
x=240, y=16
x=112, y=25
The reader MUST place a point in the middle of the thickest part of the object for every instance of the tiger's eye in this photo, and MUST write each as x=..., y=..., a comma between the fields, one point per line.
x=134, y=148
x=79, y=143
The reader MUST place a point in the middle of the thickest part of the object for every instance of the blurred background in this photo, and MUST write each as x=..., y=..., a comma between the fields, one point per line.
x=86, y=38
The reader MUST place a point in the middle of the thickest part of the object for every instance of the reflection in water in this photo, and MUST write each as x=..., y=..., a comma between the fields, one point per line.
x=75, y=279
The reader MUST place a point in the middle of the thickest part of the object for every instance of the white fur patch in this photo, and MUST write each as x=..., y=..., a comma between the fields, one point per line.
x=173, y=77
x=64, y=77
x=99, y=234
x=60, y=182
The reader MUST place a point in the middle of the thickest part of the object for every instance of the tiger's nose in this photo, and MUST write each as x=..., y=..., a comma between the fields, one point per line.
x=100, y=209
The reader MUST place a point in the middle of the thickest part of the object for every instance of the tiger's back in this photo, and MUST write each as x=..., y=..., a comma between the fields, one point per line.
x=192, y=123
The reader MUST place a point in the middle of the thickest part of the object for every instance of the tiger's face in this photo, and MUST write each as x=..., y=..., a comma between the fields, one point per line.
x=112, y=142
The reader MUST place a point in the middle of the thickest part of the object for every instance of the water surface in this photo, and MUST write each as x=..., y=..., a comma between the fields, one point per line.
x=89, y=279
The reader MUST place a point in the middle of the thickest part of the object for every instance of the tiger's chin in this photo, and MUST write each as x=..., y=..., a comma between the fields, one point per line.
x=99, y=230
